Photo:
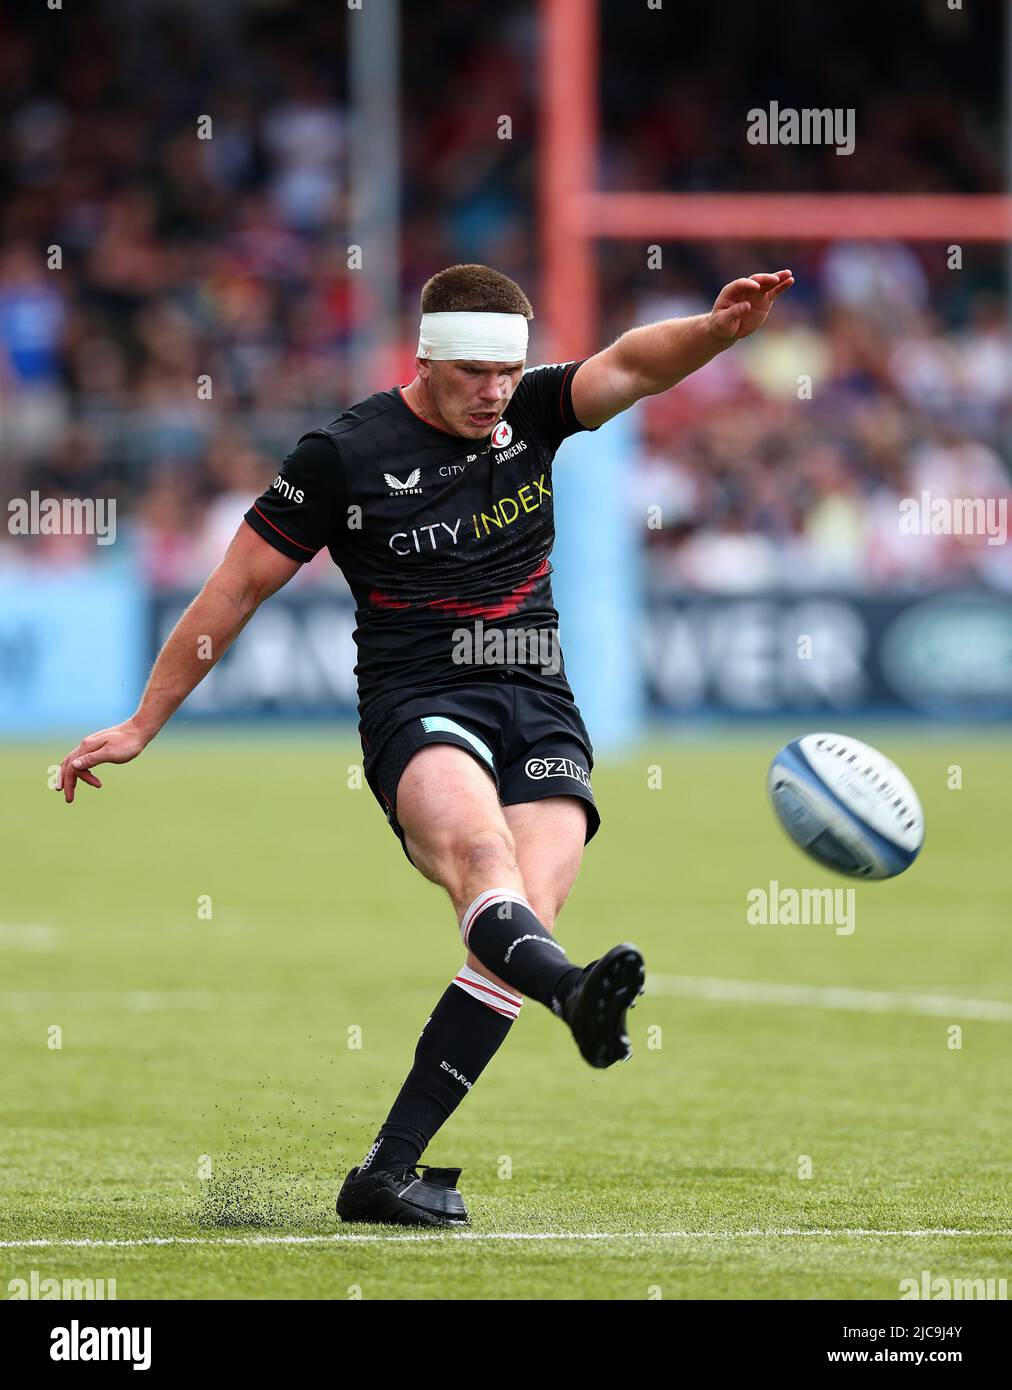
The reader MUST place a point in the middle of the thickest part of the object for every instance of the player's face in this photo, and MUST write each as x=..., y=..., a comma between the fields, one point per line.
x=469, y=397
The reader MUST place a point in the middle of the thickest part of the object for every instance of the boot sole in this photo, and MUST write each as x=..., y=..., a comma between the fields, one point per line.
x=613, y=987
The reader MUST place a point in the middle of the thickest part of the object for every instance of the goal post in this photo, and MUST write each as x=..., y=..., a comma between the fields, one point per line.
x=599, y=555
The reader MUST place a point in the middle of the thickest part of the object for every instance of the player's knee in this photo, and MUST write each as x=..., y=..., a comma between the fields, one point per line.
x=484, y=853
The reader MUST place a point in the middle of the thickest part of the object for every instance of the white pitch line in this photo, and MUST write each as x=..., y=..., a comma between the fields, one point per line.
x=28, y=936
x=138, y=1001
x=342, y=1238
x=869, y=1001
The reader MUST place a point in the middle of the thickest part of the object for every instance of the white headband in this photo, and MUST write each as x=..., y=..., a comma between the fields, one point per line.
x=462, y=336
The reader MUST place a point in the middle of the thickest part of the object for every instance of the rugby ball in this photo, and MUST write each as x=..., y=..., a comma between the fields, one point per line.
x=847, y=805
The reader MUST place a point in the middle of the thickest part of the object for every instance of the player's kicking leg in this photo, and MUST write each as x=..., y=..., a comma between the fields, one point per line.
x=459, y=836
x=549, y=836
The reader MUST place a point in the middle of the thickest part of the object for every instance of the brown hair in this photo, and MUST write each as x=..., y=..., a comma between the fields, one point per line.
x=475, y=289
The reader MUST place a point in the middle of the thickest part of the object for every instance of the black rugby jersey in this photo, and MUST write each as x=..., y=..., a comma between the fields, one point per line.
x=433, y=532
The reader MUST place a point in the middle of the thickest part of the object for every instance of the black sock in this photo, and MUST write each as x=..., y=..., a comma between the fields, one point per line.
x=501, y=929
x=467, y=1028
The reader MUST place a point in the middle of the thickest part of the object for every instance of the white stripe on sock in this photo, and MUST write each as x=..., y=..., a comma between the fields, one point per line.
x=486, y=899
x=494, y=996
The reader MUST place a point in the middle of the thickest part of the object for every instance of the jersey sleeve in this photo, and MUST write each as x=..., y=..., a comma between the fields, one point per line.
x=546, y=394
x=299, y=513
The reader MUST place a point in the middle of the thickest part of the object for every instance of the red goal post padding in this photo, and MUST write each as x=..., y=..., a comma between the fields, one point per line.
x=955, y=217
x=574, y=215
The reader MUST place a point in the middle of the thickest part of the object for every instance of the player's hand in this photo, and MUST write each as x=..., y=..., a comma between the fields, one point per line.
x=744, y=305
x=116, y=745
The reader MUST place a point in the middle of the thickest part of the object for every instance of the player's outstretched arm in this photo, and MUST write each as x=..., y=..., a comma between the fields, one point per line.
x=251, y=571
x=654, y=358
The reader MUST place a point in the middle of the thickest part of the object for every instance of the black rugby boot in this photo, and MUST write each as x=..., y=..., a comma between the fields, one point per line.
x=595, y=1009
x=400, y=1197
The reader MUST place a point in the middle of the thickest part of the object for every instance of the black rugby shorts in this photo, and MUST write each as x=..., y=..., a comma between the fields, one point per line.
x=531, y=741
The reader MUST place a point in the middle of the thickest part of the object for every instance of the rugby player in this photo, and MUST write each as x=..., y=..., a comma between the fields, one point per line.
x=435, y=499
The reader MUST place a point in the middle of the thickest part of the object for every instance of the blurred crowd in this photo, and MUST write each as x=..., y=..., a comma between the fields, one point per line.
x=795, y=458
x=138, y=261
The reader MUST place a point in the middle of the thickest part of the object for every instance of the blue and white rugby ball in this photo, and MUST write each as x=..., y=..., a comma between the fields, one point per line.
x=847, y=805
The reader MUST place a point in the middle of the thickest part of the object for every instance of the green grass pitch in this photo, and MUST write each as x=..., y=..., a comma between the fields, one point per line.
x=207, y=1095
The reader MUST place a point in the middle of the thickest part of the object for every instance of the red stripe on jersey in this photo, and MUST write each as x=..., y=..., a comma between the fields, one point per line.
x=505, y=608
x=280, y=532
x=378, y=600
